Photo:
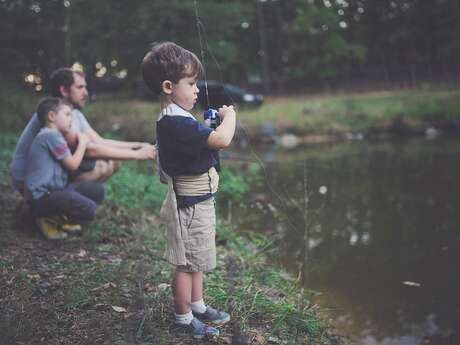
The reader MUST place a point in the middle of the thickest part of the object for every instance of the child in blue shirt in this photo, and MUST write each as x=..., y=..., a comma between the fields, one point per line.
x=186, y=152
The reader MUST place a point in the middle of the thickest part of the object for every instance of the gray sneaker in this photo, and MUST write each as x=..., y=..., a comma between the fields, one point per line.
x=214, y=316
x=198, y=329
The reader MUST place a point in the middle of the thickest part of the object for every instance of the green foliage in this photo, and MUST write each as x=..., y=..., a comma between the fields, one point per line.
x=16, y=106
x=231, y=187
x=107, y=30
x=255, y=174
x=259, y=294
x=131, y=189
x=442, y=107
x=325, y=49
x=7, y=144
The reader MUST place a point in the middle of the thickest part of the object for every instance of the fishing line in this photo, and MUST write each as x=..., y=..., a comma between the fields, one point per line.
x=202, y=32
x=257, y=159
x=198, y=23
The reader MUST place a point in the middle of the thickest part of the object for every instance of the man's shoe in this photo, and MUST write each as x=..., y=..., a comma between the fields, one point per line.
x=198, y=329
x=214, y=316
x=50, y=228
x=71, y=228
x=67, y=226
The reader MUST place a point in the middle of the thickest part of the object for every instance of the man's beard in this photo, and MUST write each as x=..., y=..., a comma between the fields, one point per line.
x=76, y=105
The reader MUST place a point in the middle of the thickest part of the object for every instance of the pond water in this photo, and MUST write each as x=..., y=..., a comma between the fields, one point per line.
x=375, y=233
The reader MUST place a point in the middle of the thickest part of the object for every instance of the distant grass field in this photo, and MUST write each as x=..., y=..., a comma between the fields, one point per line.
x=309, y=114
x=323, y=114
x=126, y=117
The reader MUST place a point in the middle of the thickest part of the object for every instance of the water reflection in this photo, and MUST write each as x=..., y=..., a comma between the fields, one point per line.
x=381, y=244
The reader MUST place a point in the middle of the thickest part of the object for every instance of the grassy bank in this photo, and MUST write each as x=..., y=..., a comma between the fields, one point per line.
x=110, y=286
x=330, y=114
x=402, y=111
x=406, y=111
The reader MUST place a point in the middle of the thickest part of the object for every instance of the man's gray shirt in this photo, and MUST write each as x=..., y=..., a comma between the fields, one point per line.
x=44, y=169
x=19, y=163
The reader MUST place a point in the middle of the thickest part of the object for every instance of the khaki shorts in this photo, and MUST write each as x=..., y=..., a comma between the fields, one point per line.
x=198, y=229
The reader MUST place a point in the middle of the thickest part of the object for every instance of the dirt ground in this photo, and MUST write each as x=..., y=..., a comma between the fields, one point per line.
x=99, y=288
x=110, y=285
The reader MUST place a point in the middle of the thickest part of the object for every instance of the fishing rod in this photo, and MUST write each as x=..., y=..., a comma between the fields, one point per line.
x=211, y=115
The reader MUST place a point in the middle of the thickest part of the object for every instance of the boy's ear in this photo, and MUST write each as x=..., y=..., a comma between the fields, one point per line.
x=167, y=86
x=51, y=116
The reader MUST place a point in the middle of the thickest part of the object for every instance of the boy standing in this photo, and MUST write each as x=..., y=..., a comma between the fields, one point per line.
x=186, y=159
x=47, y=174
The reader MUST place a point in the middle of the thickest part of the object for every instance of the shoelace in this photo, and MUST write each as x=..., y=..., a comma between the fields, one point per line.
x=200, y=326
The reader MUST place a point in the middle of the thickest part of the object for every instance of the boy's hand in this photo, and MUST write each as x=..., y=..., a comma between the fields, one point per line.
x=222, y=136
x=226, y=110
x=83, y=138
x=146, y=152
x=71, y=138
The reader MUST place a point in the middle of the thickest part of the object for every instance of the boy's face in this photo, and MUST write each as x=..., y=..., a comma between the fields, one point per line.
x=63, y=119
x=185, y=92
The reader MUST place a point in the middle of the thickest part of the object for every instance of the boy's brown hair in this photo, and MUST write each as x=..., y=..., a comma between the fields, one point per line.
x=49, y=104
x=168, y=61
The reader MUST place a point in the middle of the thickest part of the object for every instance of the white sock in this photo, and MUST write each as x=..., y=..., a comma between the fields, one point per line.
x=199, y=306
x=184, y=319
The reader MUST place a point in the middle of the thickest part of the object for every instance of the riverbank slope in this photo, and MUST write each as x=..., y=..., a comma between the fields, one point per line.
x=111, y=285
x=310, y=117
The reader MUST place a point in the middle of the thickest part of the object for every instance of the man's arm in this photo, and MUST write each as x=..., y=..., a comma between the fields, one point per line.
x=102, y=150
x=97, y=139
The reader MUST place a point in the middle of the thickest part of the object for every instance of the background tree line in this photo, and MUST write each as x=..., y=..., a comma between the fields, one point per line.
x=277, y=44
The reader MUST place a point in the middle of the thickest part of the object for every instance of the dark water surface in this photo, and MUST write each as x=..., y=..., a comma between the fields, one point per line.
x=382, y=241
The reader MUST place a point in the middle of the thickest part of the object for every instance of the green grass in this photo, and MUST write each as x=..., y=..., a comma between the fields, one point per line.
x=354, y=112
x=131, y=189
x=63, y=292
x=263, y=295
x=133, y=119
x=309, y=114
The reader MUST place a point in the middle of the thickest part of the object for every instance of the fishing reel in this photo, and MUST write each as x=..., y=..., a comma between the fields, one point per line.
x=211, y=118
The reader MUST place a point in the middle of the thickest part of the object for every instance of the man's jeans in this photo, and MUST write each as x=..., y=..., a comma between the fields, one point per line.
x=77, y=201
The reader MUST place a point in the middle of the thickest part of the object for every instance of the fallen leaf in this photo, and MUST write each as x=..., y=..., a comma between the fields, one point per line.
x=82, y=253
x=105, y=286
x=33, y=276
x=164, y=286
x=119, y=309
